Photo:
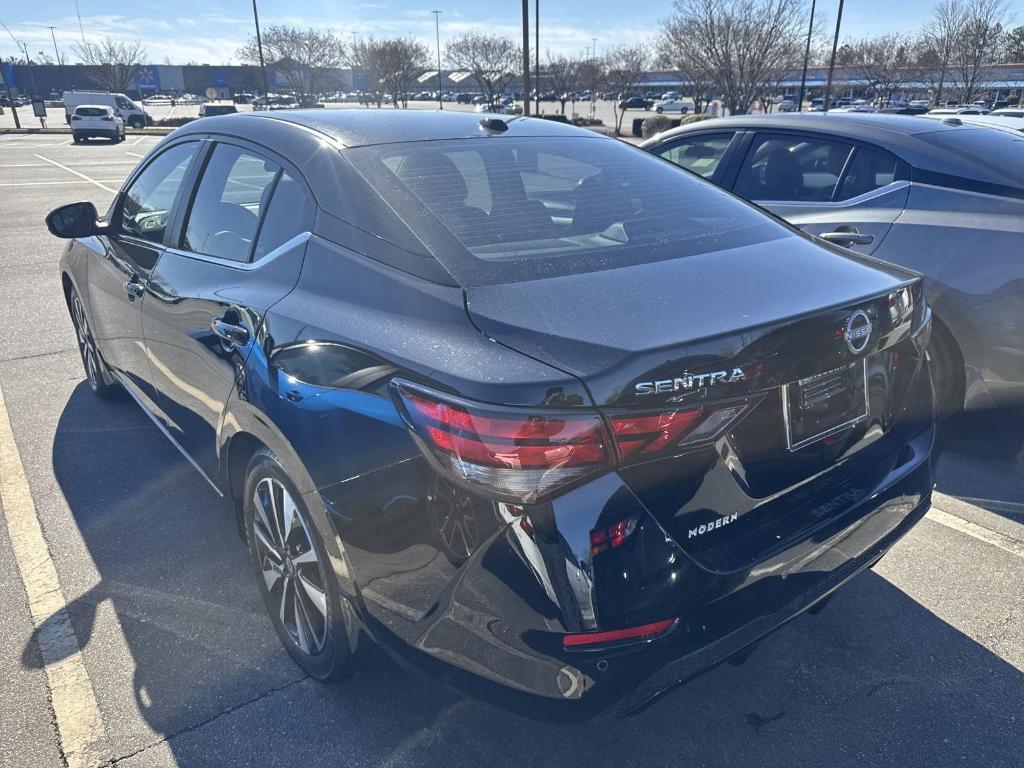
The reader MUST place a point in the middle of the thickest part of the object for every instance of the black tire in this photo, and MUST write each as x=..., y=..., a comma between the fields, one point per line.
x=328, y=659
x=97, y=375
x=76, y=139
x=659, y=110
x=947, y=370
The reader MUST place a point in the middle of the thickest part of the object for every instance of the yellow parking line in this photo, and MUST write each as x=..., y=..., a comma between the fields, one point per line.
x=79, y=723
x=99, y=184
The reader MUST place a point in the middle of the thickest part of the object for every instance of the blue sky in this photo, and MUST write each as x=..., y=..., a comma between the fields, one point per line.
x=209, y=31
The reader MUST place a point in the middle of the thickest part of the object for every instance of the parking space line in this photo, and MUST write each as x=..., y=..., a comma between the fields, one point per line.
x=996, y=539
x=53, y=183
x=77, y=715
x=139, y=141
x=99, y=184
x=134, y=154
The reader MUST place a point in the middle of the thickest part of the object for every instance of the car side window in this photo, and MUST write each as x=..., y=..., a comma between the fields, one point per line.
x=235, y=187
x=147, y=203
x=289, y=213
x=699, y=154
x=791, y=168
x=867, y=171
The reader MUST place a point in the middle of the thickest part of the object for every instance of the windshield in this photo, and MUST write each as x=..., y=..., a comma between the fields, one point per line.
x=521, y=209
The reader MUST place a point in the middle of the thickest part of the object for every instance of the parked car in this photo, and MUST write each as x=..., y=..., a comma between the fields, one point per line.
x=998, y=122
x=672, y=105
x=786, y=105
x=1008, y=112
x=242, y=98
x=972, y=110
x=428, y=359
x=903, y=189
x=209, y=110
x=634, y=102
x=130, y=112
x=90, y=121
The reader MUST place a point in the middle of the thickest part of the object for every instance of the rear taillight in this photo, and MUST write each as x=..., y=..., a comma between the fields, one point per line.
x=585, y=640
x=528, y=456
x=108, y=118
x=76, y=117
x=512, y=455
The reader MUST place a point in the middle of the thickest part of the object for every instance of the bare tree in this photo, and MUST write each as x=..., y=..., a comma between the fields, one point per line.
x=366, y=55
x=114, y=62
x=623, y=68
x=491, y=60
x=939, y=38
x=977, y=45
x=1013, y=46
x=672, y=54
x=304, y=58
x=885, y=62
x=745, y=46
x=401, y=59
x=564, y=72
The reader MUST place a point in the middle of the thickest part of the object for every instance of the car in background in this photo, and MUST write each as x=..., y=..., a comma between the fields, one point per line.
x=672, y=105
x=131, y=113
x=634, y=102
x=242, y=98
x=671, y=95
x=998, y=122
x=961, y=110
x=785, y=105
x=209, y=110
x=1008, y=112
x=941, y=196
x=428, y=360
x=274, y=102
x=91, y=121
x=817, y=104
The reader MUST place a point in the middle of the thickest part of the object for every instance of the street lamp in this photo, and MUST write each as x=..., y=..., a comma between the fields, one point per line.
x=259, y=47
x=526, y=58
x=437, y=34
x=807, y=56
x=832, y=62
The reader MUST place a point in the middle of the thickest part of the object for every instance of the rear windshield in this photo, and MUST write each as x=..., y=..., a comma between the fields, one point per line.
x=514, y=209
x=91, y=111
x=1000, y=152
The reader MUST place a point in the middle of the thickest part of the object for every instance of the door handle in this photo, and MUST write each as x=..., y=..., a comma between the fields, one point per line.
x=235, y=335
x=134, y=288
x=847, y=238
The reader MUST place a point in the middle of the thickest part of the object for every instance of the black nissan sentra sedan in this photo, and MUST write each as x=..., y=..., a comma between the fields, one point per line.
x=537, y=411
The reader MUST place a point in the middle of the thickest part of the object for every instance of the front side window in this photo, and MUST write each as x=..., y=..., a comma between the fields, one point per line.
x=791, y=168
x=699, y=154
x=235, y=186
x=525, y=208
x=147, y=203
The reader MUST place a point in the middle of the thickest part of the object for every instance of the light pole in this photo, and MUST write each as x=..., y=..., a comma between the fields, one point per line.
x=437, y=34
x=526, y=58
x=60, y=64
x=832, y=62
x=536, y=52
x=259, y=47
x=807, y=56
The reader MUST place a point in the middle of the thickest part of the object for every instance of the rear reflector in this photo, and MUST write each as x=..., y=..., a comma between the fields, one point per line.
x=643, y=632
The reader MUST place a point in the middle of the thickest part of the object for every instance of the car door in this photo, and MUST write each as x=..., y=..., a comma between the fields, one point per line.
x=238, y=249
x=847, y=193
x=118, y=279
x=702, y=153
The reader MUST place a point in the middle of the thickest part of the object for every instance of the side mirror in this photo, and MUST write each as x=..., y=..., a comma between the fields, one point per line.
x=75, y=220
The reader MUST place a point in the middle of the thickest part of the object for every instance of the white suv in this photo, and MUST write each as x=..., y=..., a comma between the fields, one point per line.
x=90, y=120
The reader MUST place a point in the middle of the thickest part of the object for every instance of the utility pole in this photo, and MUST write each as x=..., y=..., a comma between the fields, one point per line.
x=10, y=96
x=832, y=62
x=437, y=34
x=807, y=56
x=536, y=52
x=60, y=64
x=259, y=47
x=526, y=58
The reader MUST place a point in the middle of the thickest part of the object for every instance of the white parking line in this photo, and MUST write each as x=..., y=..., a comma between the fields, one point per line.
x=77, y=715
x=99, y=184
x=996, y=539
x=134, y=154
x=56, y=183
x=139, y=140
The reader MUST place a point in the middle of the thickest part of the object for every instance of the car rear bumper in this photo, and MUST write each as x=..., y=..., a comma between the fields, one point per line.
x=492, y=624
x=90, y=133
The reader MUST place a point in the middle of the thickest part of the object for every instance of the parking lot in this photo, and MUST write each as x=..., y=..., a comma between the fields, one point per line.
x=172, y=660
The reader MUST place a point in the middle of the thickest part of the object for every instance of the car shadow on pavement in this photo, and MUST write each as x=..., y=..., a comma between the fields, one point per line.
x=873, y=679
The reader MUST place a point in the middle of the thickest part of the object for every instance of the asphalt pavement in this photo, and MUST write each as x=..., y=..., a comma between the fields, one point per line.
x=918, y=662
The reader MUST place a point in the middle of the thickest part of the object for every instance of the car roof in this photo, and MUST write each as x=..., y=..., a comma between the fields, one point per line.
x=363, y=127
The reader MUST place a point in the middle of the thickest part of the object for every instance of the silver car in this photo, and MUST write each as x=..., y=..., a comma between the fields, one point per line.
x=945, y=198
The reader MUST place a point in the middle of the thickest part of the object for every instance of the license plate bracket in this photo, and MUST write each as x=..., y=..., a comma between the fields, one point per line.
x=822, y=405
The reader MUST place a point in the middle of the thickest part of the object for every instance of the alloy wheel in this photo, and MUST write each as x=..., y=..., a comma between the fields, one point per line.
x=290, y=566
x=86, y=346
